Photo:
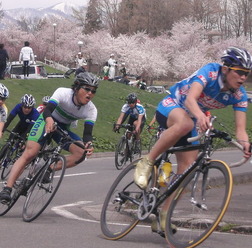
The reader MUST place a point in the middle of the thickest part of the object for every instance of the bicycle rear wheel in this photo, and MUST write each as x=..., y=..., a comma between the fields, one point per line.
x=197, y=216
x=40, y=194
x=120, y=208
x=121, y=154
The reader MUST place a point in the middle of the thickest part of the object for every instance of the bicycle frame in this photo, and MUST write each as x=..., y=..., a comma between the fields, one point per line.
x=202, y=160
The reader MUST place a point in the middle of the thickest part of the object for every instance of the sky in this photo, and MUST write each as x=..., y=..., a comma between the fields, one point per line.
x=12, y=4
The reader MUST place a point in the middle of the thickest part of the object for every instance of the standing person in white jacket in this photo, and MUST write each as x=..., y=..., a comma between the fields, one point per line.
x=27, y=56
x=112, y=63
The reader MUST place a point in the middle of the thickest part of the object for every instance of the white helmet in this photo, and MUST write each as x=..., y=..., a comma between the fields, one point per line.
x=28, y=101
x=4, y=92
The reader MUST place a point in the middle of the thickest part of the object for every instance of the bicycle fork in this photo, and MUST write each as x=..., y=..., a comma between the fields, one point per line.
x=193, y=200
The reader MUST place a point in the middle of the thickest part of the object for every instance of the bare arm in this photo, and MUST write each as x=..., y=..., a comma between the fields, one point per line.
x=191, y=104
x=240, y=130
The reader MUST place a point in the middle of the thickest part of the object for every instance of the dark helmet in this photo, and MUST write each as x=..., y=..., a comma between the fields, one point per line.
x=86, y=78
x=235, y=56
x=4, y=92
x=131, y=98
x=28, y=101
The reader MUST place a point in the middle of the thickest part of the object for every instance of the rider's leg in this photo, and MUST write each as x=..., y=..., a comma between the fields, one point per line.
x=179, y=124
x=31, y=150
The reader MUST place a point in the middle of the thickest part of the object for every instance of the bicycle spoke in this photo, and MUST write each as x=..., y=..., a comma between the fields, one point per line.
x=41, y=193
x=199, y=205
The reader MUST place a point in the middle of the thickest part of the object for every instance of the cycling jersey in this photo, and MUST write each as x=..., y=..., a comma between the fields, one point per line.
x=133, y=112
x=210, y=77
x=25, y=120
x=67, y=112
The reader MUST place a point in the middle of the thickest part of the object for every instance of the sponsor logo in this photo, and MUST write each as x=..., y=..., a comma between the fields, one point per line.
x=213, y=75
x=168, y=102
x=36, y=126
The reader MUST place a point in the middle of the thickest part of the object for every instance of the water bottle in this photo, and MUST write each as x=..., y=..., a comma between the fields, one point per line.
x=165, y=173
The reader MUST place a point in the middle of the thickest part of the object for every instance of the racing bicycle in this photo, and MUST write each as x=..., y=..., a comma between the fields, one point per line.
x=198, y=198
x=10, y=152
x=33, y=184
x=128, y=147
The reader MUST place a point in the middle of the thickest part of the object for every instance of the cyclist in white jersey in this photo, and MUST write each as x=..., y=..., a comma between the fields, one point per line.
x=4, y=94
x=213, y=86
x=65, y=106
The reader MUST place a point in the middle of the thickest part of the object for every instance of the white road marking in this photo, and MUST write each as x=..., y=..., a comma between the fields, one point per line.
x=79, y=174
x=60, y=210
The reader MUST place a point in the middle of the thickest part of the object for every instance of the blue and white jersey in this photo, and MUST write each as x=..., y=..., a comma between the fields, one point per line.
x=210, y=77
x=134, y=112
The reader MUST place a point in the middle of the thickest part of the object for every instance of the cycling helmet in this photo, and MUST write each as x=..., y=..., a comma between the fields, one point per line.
x=28, y=100
x=45, y=99
x=86, y=78
x=4, y=92
x=235, y=56
x=131, y=98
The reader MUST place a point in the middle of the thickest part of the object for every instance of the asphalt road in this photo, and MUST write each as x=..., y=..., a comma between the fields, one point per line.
x=66, y=222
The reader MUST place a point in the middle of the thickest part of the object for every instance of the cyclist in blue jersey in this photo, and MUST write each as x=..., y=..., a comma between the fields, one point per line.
x=65, y=106
x=27, y=114
x=136, y=113
x=213, y=86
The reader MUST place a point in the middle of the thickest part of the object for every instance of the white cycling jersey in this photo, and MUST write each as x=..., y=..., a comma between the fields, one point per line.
x=67, y=112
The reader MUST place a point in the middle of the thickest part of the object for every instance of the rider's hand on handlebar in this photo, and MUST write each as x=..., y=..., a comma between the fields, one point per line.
x=116, y=128
x=203, y=123
x=50, y=125
x=89, y=148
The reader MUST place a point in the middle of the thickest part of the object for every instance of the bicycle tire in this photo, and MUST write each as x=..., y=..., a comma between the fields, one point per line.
x=40, y=194
x=119, y=210
x=121, y=154
x=3, y=155
x=11, y=156
x=137, y=151
x=16, y=193
x=193, y=223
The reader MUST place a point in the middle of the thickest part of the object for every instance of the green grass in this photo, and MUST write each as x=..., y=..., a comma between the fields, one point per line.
x=109, y=99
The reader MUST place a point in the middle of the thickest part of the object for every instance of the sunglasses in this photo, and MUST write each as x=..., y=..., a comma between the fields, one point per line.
x=2, y=98
x=26, y=107
x=89, y=90
x=240, y=71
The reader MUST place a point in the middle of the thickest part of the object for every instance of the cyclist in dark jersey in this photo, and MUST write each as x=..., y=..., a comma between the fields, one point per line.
x=27, y=114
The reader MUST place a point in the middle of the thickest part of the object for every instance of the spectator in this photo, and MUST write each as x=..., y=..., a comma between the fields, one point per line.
x=112, y=63
x=80, y=60
x=4, y=57
x=123, y=71
x=27, y=56
x=105, y=70
x=82, y=68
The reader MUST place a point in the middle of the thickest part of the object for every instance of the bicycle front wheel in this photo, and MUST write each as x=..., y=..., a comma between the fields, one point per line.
x=199, y=204
x=121, y=154
x=120, y=208
x=41, y=193
x=6, y=161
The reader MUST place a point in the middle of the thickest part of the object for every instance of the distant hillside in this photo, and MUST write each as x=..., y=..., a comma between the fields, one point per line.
x=59, y=11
